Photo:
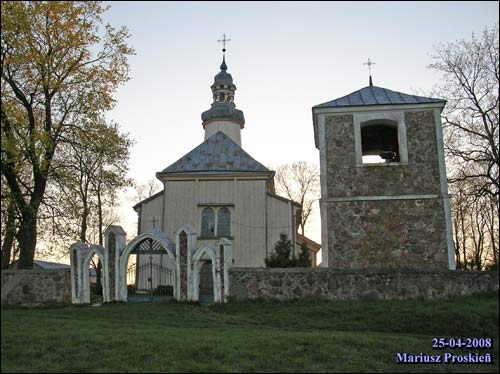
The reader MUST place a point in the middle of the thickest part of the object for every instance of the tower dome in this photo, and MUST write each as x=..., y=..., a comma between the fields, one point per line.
x=223, y=115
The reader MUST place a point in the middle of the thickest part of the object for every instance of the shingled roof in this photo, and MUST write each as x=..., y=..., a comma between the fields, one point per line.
x=217, y=154
x=373, y=95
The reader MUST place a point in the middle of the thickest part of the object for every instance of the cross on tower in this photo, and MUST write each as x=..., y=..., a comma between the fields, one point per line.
x=224, y=41
x=369, y=63
x=153, y=221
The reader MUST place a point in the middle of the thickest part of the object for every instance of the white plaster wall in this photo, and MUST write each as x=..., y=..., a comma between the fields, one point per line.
x=231, y=129
x=149, y=210
x=279, y=219
x=182, y=205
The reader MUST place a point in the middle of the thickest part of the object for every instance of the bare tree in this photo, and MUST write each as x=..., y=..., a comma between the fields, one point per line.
x=470, y=118
x=147, y=189
x=299, y=181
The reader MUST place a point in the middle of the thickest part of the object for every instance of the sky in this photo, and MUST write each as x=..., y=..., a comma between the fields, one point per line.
x=285, y=57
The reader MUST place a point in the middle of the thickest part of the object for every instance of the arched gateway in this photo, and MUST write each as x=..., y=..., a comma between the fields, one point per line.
x=181, y=276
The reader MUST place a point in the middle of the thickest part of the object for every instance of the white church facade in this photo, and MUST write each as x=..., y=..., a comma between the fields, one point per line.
x=220, y=191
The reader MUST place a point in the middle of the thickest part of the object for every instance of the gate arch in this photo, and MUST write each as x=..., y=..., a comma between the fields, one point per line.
x=99, y=251
x=210, y=252
x=158, y=238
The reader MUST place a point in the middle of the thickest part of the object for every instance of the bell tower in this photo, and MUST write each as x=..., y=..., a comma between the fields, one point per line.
x=384, y=197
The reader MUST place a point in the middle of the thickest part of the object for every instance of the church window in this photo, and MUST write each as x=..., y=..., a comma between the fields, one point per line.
x=208, y=222
x=379, y=142
x=224, y=222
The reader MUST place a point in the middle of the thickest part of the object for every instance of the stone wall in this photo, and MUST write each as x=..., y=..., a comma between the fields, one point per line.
x=387, y=284
x=387, y=233
x=36, y=287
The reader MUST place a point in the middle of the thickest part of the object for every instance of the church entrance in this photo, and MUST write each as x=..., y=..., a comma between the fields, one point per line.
x=206, y=295
x=150, y=273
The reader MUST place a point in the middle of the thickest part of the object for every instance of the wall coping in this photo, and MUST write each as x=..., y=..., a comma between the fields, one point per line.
x=377, y=271
x=32, y=271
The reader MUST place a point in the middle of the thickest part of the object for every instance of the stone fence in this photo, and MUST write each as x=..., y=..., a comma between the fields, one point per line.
x=36, y=287
x=384, y=284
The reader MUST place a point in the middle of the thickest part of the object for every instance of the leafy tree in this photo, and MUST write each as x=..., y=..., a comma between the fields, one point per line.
x=304, y=259
x=57, y=69
x=9, y=227
x=281, y=258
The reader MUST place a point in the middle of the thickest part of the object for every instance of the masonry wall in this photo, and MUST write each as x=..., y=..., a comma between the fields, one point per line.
x=36, y=287
x=374, y=216
x=388, y=234
x=288, y=284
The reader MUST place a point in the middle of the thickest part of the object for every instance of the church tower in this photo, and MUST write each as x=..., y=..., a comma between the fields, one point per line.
x=223, y=115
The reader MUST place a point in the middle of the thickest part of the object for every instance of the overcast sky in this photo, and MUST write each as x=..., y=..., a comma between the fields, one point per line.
x=284, y=58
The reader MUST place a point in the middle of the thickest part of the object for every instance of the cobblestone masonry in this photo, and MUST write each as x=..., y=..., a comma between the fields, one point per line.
x=32, y=288
x=183, y=263
x=389, y=284
x=384, y=233
x=420, y=176
x=388, y=233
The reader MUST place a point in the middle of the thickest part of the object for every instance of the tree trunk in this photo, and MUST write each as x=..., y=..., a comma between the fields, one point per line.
x=98, y=273
x=83, y=227
x=26, y=237
x=10, y=234
x=99, y=214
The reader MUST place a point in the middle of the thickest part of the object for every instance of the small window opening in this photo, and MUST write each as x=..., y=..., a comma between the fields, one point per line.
x=379, y=143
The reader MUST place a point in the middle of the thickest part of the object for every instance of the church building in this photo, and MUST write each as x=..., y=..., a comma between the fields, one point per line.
x=221, y=191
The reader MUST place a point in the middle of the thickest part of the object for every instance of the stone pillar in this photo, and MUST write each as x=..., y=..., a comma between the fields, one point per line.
x=225, y=260
x=185, y=242
x=183, y=254
x=115, y=239
x=76, y=272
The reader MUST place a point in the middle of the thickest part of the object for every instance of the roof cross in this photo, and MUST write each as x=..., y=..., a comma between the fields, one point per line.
x=224, y=41
x=154, y=221
x=369, y=63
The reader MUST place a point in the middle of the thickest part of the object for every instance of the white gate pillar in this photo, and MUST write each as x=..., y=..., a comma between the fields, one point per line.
x=115, y=238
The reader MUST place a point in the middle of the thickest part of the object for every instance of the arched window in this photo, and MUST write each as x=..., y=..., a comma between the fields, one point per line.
x=208, y=222
x=379, y=142
x=223, y=222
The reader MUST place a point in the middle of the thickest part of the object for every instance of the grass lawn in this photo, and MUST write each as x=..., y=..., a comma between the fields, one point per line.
x=245, y=337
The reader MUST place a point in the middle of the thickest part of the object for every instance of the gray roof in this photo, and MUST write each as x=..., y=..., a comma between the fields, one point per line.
x=218, y=154
x=373, y=95
x=223, y=111
x=51, y=265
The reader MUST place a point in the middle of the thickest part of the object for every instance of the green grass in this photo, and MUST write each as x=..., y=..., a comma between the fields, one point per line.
x=244, y=337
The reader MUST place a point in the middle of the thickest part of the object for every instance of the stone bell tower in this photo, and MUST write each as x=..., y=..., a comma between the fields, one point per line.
x=384, y=197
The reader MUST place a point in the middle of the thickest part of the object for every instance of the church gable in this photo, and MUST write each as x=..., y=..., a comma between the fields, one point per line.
x=217, y=154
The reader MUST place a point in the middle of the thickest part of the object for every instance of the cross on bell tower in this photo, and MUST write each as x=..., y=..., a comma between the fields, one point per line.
x=370, y=63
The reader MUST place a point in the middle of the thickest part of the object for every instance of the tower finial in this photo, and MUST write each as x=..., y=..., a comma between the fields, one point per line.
x=369, y=63
x=224, y=40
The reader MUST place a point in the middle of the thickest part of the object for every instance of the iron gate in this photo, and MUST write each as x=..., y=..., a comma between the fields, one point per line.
x=150, y=280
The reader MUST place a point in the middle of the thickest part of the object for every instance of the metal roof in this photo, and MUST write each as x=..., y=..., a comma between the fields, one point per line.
x=50, y=265
x=373, y=95
x=217, y=154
